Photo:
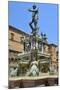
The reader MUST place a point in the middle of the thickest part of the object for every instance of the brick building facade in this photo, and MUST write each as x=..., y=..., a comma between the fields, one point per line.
x=16, y=46
x=15, y=37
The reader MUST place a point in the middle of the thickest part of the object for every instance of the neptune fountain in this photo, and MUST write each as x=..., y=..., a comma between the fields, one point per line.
x=33, y=60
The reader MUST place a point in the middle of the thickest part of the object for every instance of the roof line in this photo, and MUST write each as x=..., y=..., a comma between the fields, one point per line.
x=53, y=44
x=17, y=30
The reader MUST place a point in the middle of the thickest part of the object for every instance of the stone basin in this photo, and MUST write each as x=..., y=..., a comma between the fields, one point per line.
x=24, y=82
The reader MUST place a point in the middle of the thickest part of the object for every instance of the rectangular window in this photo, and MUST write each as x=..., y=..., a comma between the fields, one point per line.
x=12, y=36
x=40, y=46
x=21, y=39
